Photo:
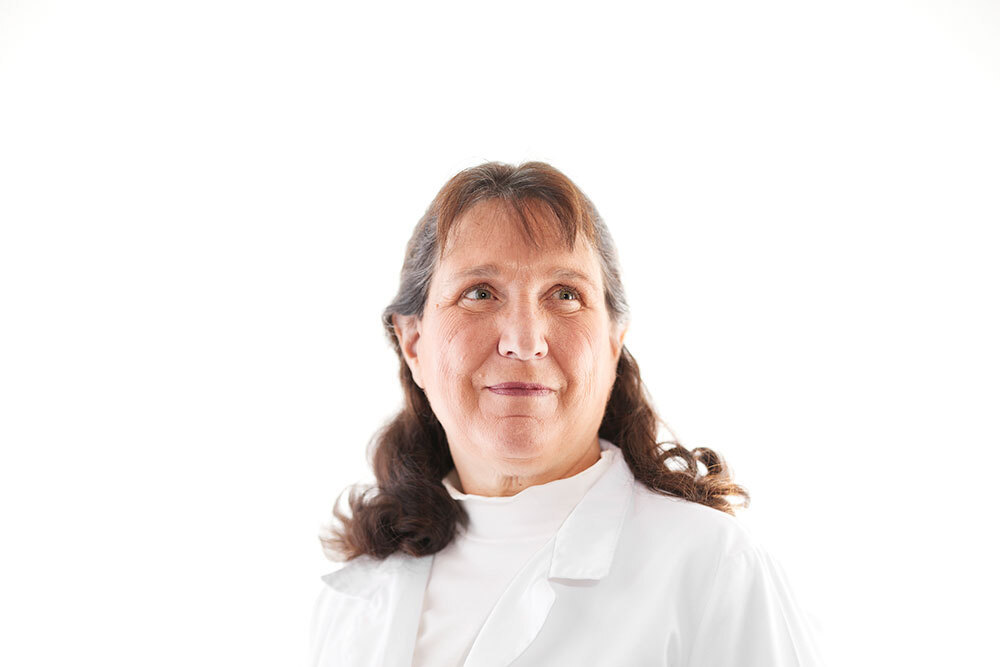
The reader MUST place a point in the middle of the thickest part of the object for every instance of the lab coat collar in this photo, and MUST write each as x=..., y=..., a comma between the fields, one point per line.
x=582, y=548
x=362, y=577
x=584, y=544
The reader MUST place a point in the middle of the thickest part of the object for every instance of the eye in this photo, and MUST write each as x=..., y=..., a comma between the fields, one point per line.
x=478, y=293
x=567, y=294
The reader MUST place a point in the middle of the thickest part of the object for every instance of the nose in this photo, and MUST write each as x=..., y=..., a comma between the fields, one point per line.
x=522, y=334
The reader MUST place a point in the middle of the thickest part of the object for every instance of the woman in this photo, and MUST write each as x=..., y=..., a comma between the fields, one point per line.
x=523, y=512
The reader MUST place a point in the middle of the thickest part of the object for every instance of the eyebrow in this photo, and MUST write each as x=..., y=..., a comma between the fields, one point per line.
x=492, y=270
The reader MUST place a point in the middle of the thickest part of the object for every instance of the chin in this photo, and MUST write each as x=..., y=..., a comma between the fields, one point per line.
x=517, y=438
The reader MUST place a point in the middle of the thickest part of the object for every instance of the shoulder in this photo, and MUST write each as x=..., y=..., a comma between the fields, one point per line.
x=734, y=590
x=668, y=522
x=360, y=577
x=349, y=580
x=344, y=599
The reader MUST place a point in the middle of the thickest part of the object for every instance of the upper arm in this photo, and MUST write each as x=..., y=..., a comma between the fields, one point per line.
x=318, y=625
x=751, y=618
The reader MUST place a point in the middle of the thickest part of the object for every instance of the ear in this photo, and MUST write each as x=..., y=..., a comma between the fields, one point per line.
x=408, y=334
x=618, y=339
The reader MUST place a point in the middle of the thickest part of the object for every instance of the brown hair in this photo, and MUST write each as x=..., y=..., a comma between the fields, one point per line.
x=408, y=509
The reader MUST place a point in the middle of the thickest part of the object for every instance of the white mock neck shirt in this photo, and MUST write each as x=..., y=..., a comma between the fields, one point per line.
x=468, y=576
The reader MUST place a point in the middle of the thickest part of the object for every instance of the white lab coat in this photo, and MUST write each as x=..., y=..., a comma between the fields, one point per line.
x=631, y=578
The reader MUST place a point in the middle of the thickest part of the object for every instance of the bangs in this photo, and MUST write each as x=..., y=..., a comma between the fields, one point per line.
x=542, y=199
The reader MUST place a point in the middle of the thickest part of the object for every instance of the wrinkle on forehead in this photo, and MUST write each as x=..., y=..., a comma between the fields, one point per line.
x=534, y=219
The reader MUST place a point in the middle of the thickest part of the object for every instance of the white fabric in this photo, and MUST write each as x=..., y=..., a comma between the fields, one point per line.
x=630, y=577
x=468, y=576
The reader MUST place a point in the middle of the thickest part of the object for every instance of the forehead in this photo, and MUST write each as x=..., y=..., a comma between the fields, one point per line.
x=493, y=233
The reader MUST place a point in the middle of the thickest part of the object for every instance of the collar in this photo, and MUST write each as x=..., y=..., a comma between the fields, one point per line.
x=583, y=548
x=536, y=511
x=585, y=543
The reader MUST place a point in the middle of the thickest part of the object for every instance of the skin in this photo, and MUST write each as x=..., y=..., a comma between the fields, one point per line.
x=522, y=321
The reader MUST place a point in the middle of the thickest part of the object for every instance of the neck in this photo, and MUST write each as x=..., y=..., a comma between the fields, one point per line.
x=488, y=478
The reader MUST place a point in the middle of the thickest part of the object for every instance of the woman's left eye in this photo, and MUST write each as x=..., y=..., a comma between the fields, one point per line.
x=478, y=293
x=566, y=294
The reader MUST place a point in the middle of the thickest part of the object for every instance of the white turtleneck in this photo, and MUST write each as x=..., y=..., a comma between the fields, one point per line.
x=468, y=576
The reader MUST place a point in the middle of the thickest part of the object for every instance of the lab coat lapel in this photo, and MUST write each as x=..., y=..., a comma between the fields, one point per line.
x=582, y=548
x=393, y=589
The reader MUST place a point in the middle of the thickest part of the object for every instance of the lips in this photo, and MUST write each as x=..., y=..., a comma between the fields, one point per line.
x=520, y=389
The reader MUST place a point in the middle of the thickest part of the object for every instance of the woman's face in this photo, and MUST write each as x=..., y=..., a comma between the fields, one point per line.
x=515, y=351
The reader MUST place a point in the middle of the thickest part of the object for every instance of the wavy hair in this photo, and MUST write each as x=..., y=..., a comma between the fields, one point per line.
x=408, y=509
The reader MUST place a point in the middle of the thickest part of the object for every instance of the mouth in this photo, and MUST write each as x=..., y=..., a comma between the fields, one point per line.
x=520, y=389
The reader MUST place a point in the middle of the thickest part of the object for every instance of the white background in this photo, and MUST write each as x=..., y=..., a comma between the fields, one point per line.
x=204, y=206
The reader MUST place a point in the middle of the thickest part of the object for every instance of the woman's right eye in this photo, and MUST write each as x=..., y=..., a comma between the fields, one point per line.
x=478, y=293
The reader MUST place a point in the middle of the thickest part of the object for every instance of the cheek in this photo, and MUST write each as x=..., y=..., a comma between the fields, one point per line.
x=585, y=355
x=580, y=352
x=461, y=350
